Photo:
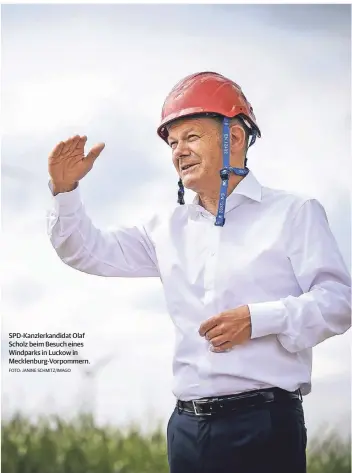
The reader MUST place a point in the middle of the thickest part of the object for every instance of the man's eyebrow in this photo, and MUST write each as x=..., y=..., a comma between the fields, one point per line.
x=192, y=129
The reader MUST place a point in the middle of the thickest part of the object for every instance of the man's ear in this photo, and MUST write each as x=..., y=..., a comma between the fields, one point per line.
x=238, y=137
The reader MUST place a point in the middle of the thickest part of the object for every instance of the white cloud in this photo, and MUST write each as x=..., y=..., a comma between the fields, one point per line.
x=43, y=106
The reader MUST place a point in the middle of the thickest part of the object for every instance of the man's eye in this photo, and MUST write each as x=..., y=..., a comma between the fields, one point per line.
x=192, y=137
x=172, y=144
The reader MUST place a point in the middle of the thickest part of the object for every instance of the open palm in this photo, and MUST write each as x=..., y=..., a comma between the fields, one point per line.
x=68, y=164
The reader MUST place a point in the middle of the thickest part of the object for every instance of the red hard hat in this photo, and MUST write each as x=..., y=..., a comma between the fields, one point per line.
x=206, y=93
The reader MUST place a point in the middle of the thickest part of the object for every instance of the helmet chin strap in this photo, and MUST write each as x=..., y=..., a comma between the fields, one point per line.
x=225, y=172
x=180, y=193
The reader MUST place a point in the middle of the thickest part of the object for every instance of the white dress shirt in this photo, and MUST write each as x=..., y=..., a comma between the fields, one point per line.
x=275, y=253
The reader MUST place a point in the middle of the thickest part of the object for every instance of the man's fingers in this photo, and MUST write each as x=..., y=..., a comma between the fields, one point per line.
x=214, y=332
x=224, y=347
x=94, y=153
x=207, y=325
x=74, y=144
x=67, y=146
x=81, y=142
x=57, y=150
x=217, y=341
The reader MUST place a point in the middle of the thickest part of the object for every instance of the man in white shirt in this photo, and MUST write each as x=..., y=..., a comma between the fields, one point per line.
x=253, y=280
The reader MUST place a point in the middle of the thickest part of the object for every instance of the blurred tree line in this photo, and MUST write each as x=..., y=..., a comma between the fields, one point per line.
x=53, y=445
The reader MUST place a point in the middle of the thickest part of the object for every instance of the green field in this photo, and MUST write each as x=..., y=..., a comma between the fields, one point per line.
x=52, y=445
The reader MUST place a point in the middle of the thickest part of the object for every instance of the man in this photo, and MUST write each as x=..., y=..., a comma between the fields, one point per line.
x=253, y=279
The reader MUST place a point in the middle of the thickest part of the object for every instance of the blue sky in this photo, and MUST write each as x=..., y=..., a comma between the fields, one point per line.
x=104, y=71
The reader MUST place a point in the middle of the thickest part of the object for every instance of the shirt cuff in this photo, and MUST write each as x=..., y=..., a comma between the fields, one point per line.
x=67, y=203
x=267, y=318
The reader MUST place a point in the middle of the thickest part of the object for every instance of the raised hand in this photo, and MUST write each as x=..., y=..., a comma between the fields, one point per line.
x=68, y=164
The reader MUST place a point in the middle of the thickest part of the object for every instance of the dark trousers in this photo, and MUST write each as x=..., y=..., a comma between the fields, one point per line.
x=271, y=438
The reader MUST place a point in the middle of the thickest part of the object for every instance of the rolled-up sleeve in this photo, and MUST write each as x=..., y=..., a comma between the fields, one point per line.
x=324, y=307
x=126, y=252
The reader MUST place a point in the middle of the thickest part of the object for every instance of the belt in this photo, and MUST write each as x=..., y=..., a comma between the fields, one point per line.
x=217, y=405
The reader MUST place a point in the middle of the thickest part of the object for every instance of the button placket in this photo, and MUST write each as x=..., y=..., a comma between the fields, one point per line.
x=210, y=265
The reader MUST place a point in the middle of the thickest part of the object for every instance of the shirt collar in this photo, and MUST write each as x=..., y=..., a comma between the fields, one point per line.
x=249, y=187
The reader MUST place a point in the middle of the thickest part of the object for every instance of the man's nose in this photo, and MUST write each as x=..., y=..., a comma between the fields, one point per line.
x=181, y=150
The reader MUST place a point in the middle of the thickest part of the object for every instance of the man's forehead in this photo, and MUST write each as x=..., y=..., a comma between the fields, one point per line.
x=186, y=124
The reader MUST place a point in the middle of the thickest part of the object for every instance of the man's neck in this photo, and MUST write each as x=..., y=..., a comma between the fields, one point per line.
x=210, y=198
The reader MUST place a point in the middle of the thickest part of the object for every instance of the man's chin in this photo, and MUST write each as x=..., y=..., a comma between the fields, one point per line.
x=191, y=183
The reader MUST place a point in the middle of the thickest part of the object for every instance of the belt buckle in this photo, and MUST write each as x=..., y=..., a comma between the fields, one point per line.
x=197, y=413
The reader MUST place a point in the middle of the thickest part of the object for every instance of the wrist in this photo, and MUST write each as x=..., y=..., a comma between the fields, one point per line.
x=61, y=188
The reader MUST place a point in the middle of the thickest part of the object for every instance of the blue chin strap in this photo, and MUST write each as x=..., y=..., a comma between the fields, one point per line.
x=225, y=172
